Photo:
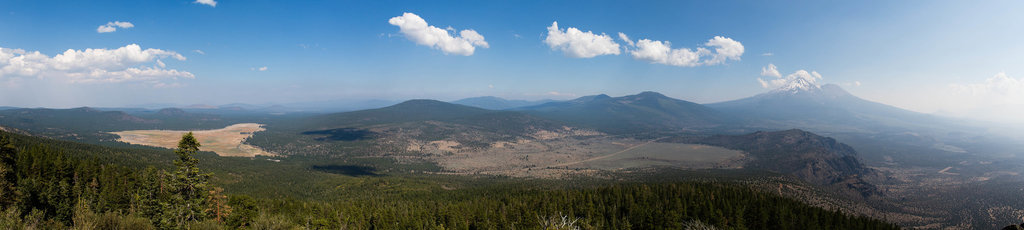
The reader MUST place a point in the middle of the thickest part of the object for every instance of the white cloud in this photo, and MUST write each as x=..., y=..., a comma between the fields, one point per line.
x=417, y=30
x=661, y=52
x=579, y=44
x=768, y=54
x=199, y=52
x=490, y=86
x=998, y=89
x=770, y=71
x=725, y=49
x=998, y=98
x=112, y=26
x=626, y=39
x=105, y=29
x=212, y=3
x=123, y=64
x=259, y=69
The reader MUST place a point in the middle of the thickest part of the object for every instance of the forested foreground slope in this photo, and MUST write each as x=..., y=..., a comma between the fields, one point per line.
x=45, y=184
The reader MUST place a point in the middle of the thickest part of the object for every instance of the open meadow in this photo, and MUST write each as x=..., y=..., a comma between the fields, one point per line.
x=227, y=141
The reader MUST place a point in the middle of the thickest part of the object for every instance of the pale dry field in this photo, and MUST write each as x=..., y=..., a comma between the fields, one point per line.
x=564, y=156
x=225, y=142
x=669, y=154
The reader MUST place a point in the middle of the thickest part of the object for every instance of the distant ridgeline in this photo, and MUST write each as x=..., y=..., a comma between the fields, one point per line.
x=56, y=184
x=90, y=125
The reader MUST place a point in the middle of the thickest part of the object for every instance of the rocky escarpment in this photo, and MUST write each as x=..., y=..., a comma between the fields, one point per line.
x=805, y=155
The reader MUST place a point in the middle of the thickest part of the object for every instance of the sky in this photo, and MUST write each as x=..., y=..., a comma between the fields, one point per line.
x=955, y=58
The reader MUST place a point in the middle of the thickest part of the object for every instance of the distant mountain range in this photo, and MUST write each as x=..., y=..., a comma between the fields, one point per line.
x=423, y=110
x=242, y=108
x=827, y=110
x=497, y=103
x=644, y=112
x=89, y=124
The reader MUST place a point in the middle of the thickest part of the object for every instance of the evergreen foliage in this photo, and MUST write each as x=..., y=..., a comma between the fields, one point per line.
x=187, y=187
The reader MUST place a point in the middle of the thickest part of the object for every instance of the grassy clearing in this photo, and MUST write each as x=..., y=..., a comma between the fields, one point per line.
x=227, y=141
x=667, y=154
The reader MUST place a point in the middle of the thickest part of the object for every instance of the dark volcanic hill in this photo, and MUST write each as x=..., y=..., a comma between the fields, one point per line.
x=644, y=112
x=497, y=103
x=412, y=110
x=805, y=155
x=406, y=122
x=421, y=110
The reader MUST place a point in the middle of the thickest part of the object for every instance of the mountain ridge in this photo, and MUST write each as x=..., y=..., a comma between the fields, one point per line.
x=636, y=113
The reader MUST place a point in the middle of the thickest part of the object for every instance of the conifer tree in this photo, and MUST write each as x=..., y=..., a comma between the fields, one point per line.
x=188, y=187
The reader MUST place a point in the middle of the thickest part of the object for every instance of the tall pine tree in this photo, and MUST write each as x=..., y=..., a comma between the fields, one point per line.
x=187, y=185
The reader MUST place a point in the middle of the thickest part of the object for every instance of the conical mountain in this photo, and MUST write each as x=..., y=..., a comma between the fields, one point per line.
x=802, y=104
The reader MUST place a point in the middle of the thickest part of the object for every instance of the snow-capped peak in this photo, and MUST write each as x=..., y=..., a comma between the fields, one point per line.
x=799, y=81
x=799, y=84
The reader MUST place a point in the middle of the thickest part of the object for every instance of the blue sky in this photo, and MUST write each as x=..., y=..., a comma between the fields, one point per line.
x=905, y=53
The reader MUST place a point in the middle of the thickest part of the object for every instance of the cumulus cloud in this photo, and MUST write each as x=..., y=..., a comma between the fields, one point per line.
x=998, y=89
x=626, y=39
x=998, y=98
x=417, y=30
x=770, y=71
x=579, y=44
x=801, y=79
x=199, y=52
x=211, y=3
x=725, y=49
x=716, y=50
x=123, y=64
x=112, y=26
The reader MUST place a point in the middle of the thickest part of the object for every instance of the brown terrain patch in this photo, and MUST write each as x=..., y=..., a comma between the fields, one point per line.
x=558, y=155
x=227, y=141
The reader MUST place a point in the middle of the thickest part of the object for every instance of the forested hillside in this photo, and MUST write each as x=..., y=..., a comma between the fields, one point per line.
x=388, y=130
x=91, y=125
x=47, y=185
